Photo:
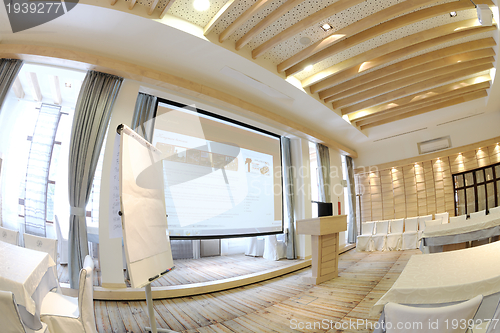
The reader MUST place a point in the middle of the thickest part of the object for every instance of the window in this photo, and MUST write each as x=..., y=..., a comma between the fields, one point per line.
x=477, y=189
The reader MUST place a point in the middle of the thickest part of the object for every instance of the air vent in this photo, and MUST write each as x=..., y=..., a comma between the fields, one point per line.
x=430, y=146
x=400, y=134
x=451, y=121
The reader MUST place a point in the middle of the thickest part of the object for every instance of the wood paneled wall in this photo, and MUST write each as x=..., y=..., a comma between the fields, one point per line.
x=418, y=187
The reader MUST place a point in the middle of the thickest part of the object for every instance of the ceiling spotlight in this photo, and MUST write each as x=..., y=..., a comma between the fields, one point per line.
x=484, y=15
x=201, y=5
x=308, y=68
x=305, y=41
x=453, y=14
x=326, y=27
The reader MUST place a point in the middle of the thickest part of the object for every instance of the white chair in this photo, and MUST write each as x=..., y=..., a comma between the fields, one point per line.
x=47, y=245
x=421, y=225
x=274, y=249
x=380, y=236
x=409, y=319
x=495, y=211
x=62, y=243
x=475, y=215
x=64, y=314
x=443, y=216
x=9, y=236
x=395, y=236
x=459, y=218
x=10, y=319
x=410, y=235
x=364, y=242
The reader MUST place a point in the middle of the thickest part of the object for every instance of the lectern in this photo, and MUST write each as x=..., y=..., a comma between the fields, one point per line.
x=324, y=233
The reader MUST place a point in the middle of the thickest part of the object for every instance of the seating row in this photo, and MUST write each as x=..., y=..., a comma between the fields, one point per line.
x=475, y=215
x=397, y=234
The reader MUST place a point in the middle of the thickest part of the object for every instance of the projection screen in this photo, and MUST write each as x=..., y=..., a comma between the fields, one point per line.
x=222, y=177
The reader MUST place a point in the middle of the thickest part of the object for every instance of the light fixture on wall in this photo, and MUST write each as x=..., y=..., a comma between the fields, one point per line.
x=484, y=14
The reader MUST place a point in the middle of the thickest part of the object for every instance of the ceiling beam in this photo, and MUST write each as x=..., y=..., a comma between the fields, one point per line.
x=363, y=60
x=458, y=100
x=34, y=86
x=424, y=75
x=436, y=81
x=363, y=114
x=405, y=64
x=378, y=30
x=311, y=20
x=436, y=64
x=167, y=7
x=266, y=22
x=392, y=56
x=17, y=87
x=216, y=19
x=152, y=8
x=426, y=101
x=352, y=29
x=243, y=18
x=55, y=87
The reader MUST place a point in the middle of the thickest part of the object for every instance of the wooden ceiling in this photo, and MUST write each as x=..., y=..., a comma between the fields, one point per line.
x=381, y=62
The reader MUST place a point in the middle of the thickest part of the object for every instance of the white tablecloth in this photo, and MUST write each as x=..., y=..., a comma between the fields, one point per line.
x=461, y=227
x=23, y=271
x=446, y=277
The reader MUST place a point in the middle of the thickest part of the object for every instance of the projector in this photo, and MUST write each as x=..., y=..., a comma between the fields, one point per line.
x=484, y=15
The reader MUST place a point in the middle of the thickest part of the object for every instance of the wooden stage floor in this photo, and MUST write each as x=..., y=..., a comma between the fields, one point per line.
x=283, y=304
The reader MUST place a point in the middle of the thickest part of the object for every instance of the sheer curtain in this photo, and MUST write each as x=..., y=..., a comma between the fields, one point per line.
x=351, y=203
x=143, y=121
x=323, y=156
x=289, y=198
x=92, y=112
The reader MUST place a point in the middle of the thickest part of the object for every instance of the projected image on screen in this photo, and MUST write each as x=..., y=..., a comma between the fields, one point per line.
x=221, y=178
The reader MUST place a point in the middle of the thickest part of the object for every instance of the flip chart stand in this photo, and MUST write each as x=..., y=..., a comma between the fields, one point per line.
x=151, y=311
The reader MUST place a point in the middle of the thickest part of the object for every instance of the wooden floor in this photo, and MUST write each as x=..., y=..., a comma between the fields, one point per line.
x=189, y=271
x=283, y=304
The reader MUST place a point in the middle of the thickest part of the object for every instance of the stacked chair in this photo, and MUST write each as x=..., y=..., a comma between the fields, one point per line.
x=459, y=218
x=9, y=236
x=395, y=236
x=443, y=216
x=364, y=241
x=477, y=214
x=410, y=236
x=380, y=236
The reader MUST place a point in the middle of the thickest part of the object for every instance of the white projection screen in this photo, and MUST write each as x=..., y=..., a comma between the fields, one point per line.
x=222, y=178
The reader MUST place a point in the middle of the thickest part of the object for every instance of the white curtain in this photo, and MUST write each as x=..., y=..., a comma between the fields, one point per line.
x=323, y=157
x=351, y=202
x=92, y=112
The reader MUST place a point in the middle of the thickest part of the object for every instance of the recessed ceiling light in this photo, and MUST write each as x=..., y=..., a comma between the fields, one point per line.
x=308, y=68
x=201, y=5
x=326, y=27
x=453, y=14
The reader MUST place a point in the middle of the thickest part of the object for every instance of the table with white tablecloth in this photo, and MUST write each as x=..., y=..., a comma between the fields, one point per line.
x=447, y=277
x=482, y=227
x=30, y=275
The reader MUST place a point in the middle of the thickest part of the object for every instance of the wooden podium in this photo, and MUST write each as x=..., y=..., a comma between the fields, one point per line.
x=324, y=233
